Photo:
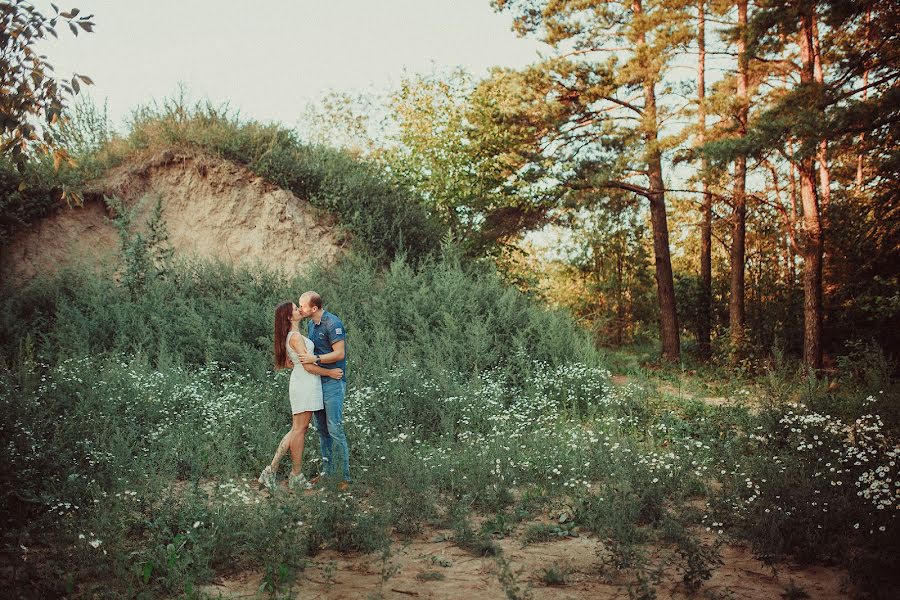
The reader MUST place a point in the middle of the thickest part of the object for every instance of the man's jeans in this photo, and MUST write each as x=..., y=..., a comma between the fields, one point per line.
x=330, y=424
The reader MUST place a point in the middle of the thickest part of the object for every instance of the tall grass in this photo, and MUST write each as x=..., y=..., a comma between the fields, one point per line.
x=153, y=466
x=443, y=320
x=133, y=425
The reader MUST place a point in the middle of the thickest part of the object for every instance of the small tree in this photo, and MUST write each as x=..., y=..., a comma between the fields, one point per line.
x=147, y=254
x=28, y=92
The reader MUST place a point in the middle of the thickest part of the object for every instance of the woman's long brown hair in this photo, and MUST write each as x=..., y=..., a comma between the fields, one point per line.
x=282, y=326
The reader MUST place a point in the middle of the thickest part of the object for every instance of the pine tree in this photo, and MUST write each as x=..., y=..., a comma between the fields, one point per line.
x=604, y=122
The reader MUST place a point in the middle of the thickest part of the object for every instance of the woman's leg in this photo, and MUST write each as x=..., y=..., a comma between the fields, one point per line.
x=301, y=422
x=283, y=447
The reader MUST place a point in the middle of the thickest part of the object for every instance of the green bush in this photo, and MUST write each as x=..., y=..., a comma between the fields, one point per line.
x=426, y=320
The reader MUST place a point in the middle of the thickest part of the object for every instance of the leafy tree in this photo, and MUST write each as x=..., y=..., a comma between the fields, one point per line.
x=824, y=103
x=611, y=252
x=433, y=152
x=344, y=120
x=28, y=91
x=602, y=119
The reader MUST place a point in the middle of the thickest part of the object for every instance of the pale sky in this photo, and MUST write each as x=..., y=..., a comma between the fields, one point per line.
x=270, y=58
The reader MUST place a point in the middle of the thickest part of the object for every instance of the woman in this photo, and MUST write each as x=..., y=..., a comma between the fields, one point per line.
x=305, y=392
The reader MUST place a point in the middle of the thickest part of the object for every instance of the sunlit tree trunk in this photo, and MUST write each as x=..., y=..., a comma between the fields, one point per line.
x=705, y=301
x=794, y=195
x=822, y=151
x=668, y=317
x=862, y=136
x=736, y=315
x=812, y=247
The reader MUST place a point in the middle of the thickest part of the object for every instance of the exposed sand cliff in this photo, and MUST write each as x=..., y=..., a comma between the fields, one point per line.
x=213, y=209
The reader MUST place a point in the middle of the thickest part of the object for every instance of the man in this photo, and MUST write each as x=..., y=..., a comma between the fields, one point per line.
x=329, y=338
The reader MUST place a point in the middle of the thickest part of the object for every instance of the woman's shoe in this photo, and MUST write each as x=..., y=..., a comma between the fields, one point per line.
x=299, y=482
x=267, y=478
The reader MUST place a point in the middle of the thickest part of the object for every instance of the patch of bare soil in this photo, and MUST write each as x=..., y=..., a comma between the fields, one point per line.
x=433, y=567
x=213, y=209
x=677, y=392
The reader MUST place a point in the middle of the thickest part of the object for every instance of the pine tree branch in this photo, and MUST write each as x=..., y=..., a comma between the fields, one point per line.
x=625, y=104
x=621, y=185
x=629, y=187
x=875, y=83
x=784, y=62
x=590, y=50
x=778, y=206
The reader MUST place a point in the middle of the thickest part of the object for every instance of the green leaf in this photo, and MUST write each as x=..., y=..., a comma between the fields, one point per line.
x=147, y=572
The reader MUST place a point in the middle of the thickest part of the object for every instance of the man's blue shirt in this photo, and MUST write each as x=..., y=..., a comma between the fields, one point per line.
x=324, y=335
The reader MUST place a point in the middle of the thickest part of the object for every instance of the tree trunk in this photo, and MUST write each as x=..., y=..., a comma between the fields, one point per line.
x=665, y=286
x=620, y=299
x=668, y=317
x=812, y=225
x=793, y=262
x=704, y=307
x=822, y=151
x=862, y=136
x=736, y=314
x=812, y=267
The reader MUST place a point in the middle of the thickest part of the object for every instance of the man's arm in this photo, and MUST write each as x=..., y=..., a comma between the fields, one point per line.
x=336, y=354
x=317, y=370
x=307, y=360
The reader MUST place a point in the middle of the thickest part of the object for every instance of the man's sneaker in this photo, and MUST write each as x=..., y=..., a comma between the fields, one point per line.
x=343, y=486
x=267, y=479
x=299, y=482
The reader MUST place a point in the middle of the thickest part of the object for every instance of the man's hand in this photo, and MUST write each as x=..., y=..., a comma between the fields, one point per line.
x=335, y=373
x=309, y=359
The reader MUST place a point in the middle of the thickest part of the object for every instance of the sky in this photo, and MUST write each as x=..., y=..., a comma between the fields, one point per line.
x=269, y=59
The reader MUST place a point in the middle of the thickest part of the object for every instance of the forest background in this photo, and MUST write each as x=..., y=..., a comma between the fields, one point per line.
x=754, y=213
x=603, y=198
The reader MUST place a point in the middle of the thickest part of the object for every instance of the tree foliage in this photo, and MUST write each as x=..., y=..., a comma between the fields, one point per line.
x=31, y=99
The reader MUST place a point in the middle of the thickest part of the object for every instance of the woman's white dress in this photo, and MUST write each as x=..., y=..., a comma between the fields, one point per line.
x=305, y=389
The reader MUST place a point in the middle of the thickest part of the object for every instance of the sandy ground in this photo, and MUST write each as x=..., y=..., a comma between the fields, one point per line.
x=670, y=390
x=433, y=567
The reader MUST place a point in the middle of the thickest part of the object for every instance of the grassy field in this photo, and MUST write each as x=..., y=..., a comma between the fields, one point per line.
x=134, y=426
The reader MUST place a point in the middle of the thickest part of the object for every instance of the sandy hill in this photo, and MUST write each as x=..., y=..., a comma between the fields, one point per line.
x=213, y=209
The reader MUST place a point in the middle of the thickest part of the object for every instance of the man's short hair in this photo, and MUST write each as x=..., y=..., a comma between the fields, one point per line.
x=312, y=298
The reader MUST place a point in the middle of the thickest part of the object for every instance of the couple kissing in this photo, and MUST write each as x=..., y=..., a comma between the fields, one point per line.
x=318, y=363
